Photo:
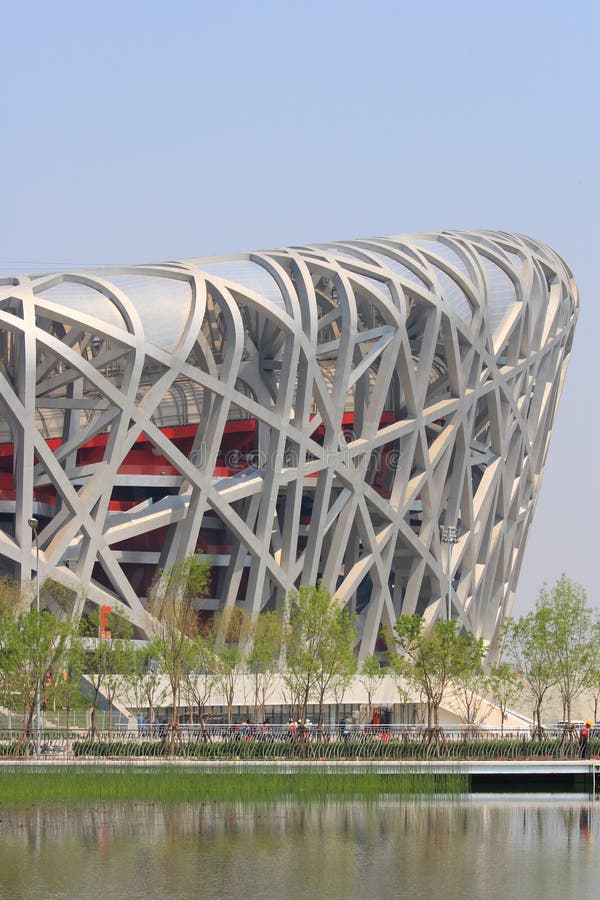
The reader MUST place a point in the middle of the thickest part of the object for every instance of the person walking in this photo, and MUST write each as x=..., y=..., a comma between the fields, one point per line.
x=584, y=740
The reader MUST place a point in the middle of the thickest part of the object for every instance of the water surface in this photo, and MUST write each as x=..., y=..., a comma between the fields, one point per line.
x=474, y=847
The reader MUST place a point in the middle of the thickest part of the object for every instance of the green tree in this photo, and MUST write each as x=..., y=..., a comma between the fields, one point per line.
x=67, y=684
x=10, y=600
x=371, y=674
x=337, y=660
x=527, y=643
x=33, y=647
x=146, y=680
x=433, y=658
x=229, y=659
x=470, y=684
x=201, y=677
x=107, y=660
x=122, y=660
x=595, y=691
x=574, y=645
x=319, y=640
x=398, y=668
x=506, y=687
x=171, y=602
x=231, y=629
x=263, y=658
x=470, y=688
x=338, y=690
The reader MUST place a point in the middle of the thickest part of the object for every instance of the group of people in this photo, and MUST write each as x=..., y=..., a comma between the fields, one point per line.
x=298, y=731
x=247, y=731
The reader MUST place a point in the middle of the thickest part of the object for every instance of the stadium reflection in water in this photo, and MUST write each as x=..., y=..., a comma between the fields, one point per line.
x=469, y=847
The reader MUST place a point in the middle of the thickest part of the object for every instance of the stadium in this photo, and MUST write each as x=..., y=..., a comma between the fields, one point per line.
x=329, y=411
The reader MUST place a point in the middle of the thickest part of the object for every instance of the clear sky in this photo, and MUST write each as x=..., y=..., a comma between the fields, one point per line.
x=139, y=131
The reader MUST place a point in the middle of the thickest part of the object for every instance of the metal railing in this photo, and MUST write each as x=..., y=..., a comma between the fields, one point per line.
x=244, y=740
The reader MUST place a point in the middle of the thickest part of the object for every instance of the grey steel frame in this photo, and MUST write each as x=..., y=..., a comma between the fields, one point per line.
x=448, y=350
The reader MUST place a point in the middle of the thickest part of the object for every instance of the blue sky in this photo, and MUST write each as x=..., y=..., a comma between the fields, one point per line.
x=140, y=131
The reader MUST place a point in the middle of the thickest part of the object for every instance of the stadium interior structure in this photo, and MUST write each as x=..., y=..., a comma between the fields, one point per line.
x=316, y=412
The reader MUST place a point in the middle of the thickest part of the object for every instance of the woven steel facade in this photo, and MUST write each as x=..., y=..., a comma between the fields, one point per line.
x=313, y=412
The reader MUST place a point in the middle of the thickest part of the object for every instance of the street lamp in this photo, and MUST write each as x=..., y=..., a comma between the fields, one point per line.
x=34, y=525
x=450, y=537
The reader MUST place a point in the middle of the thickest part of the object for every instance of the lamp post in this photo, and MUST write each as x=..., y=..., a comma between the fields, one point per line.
x=34, y=524
x=450, y=537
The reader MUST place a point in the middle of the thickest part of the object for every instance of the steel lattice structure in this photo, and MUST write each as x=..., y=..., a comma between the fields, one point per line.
x=313, y=412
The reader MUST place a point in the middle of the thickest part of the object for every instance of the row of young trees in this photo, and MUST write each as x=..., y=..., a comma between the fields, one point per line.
x=553, y=649
x=557, y=647
x=309, y=645
x=185, y=663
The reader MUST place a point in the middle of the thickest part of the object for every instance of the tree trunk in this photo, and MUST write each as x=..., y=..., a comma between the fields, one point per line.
x=93, y=711
x=110, y=714
x=537, y=715
x=229, y=698
x=304, y=705
x=24, y=736
x=173, y=719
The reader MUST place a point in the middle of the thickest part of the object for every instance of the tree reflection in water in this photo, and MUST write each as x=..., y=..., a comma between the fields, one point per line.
x=462, y=847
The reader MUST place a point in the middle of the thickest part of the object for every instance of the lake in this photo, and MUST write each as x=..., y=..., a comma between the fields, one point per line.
x=460, y=847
